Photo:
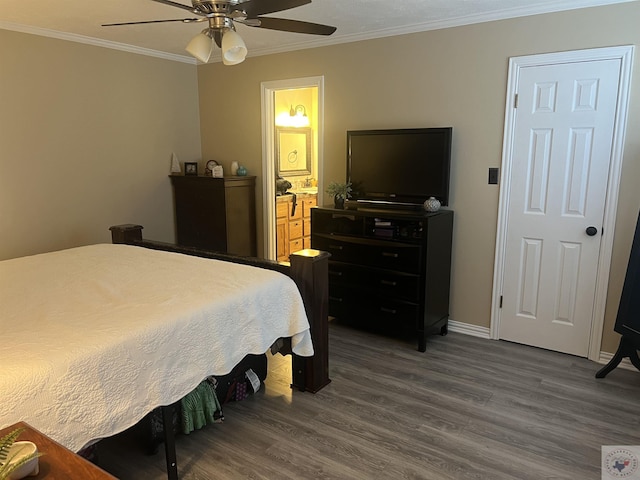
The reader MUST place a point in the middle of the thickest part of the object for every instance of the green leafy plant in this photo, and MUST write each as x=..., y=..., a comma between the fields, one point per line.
x=339, y=190
x=7, y=466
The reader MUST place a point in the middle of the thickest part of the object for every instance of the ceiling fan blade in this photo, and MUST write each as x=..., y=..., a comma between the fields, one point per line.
x=295, y=26
x=253, y=8
x=183, y=20
x=179, y=5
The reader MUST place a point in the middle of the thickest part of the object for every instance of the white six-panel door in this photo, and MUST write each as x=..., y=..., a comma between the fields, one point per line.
x=563, y=138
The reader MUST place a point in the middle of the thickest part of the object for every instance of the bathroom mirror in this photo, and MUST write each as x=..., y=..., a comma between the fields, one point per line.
x=293, y=151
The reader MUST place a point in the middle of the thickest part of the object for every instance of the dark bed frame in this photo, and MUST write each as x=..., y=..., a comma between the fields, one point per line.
x=309, y=270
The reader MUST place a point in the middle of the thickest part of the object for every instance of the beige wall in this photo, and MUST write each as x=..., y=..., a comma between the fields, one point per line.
x=453, y=77
x=86, y=136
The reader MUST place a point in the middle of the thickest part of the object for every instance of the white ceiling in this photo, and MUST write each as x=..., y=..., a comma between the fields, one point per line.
x=79, y=20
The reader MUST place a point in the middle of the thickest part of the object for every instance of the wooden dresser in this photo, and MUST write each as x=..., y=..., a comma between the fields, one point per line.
x=58, y=462
x=389, y=270
x=217, y=214
x=293, y=226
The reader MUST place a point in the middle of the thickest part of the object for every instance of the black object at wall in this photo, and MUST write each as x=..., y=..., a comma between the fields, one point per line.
x=628, y=319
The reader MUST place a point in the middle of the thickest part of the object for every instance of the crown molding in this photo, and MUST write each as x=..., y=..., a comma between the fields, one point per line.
x=550, y=7
x=97, y=42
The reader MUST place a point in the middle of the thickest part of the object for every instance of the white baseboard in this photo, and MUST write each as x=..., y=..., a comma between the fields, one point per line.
x=469, y=329
x=484, y=332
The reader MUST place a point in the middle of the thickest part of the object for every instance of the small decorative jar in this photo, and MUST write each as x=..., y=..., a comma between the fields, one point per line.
x=217, y=172
x=432, y=204
x=234, y=168
x=242, y=171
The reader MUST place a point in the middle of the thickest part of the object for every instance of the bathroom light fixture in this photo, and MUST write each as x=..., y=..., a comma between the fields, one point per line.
x=299, y=110
x=299, y=116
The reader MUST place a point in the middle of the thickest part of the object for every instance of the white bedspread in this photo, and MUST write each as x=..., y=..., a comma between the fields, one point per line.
x=93, y=338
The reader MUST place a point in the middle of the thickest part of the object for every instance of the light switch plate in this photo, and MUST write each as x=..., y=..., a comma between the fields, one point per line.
x=494, y=174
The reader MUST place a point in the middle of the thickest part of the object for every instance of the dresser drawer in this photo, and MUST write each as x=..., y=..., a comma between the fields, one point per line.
x=309, y=203
x=388, y=283
x=356, y=305
x=295, y=229
x=295, y=245
x=374, y=253
x=392, y=312
x=297, y=213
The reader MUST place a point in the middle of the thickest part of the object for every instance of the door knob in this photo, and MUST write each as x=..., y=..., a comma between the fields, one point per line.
x=591, y=231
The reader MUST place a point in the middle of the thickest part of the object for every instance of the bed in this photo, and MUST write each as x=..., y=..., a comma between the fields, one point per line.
x=96, y=337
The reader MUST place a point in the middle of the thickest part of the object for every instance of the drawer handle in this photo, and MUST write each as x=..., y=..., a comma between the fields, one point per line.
x=336, y=247
x=388, y=310
x=337, y=274
x=388, y=282
x=390, y=254
x=335, y=299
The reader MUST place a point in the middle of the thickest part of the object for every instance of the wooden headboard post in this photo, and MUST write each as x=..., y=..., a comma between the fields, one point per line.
x=127, y=234
x=310, y=271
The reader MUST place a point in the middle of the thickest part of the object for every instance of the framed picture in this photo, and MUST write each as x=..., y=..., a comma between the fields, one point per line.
x=293, y=151
x=191, y=168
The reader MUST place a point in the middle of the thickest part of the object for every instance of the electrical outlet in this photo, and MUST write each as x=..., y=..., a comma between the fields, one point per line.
x=493, y=176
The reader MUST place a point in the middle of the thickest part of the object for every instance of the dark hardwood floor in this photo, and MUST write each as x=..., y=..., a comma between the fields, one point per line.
x=467, y=408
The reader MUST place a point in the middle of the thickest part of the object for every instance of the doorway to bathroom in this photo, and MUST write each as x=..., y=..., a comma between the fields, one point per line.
x=292, y=120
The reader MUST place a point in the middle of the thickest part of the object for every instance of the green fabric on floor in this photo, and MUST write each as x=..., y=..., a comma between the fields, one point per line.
x=200, y=407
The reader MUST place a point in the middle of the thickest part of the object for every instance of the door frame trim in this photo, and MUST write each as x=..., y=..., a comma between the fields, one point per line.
x=267, y=90
x=625, y=55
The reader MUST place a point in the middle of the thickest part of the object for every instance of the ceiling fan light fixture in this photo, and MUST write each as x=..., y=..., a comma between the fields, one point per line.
x=221, y=15
x=201, y=46
x=234, y=50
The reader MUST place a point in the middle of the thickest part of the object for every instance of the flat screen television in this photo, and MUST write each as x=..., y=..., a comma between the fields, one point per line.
x=399, y=166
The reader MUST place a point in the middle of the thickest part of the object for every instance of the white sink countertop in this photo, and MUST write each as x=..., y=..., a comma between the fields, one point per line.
x=309, y=190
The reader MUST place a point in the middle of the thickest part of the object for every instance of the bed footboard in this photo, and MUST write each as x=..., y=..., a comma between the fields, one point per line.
x=308, y=269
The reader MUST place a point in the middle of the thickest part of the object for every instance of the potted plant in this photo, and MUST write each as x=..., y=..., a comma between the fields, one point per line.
x=340, y=192
x=17, y=459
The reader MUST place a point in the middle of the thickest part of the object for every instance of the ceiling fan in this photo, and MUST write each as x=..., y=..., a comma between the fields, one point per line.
x=221, y=15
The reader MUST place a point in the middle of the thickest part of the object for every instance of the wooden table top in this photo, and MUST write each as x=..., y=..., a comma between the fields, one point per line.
x=58, y=462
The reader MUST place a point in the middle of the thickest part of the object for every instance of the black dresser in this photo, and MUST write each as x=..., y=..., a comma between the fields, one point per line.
x=389, y=269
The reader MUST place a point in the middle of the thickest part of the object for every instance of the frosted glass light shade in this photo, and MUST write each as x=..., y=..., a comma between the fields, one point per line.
x=234, y=50
x=200, y=47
